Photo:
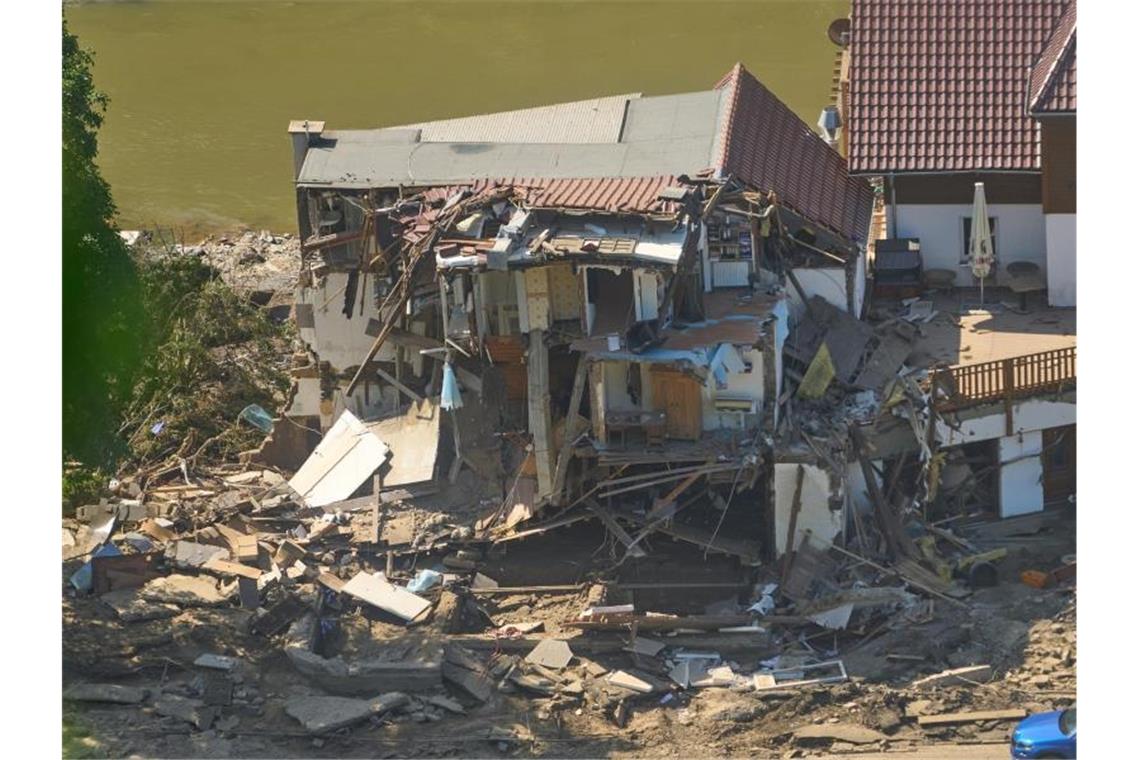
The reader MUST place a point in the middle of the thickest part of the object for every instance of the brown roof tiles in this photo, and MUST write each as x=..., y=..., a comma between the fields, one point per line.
x=764, y=143
x=941, y=86
x=1053, y=79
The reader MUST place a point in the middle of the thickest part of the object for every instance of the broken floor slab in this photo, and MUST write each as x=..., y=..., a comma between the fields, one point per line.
x=184, y=590
x=131, y=608
x=846, y=732
x=320, y=714
x=551, y=653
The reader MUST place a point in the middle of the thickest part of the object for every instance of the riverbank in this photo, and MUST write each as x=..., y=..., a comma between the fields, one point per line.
x=249, y=261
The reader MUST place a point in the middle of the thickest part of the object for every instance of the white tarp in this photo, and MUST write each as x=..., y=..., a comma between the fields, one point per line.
x=347, y=456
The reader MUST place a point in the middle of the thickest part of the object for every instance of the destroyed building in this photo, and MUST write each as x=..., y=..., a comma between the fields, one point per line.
x=601, y=408
x=598, y=291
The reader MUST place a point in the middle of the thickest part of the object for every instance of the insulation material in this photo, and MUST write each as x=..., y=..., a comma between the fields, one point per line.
x=565, y=293
x=537, y=298
x=819, y=374
x=347, y=456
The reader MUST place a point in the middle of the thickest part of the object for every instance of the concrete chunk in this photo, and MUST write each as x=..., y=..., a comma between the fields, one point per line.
x=184, y=590
x=190, y=710
x=106, y=692
x=216, y=662
x=477, y=685
x=551, y=653
x=628, y=681
x=194, y=555
x=320, y=715
x=845, y=732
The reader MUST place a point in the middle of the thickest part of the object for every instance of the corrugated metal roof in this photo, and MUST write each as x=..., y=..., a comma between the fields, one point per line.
x=616, y=195
x=355, y=159
x=1053, y=80
x=764, y=143
x=597, y=120
x=941, y=86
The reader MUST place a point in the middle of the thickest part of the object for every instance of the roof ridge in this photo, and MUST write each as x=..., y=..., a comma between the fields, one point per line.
x=731, y=81
x=1055, y=66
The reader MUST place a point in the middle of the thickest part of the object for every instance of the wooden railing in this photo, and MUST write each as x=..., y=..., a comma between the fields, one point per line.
x=1007, y=379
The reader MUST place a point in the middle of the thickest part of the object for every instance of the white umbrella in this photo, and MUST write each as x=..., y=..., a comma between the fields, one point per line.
x=981, y=241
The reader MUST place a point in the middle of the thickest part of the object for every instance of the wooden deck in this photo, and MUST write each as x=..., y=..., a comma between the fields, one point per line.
x=1008, y=379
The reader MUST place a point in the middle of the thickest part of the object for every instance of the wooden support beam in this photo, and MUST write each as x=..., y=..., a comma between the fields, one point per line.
x=563, y=465
x=538, y=410
x=399, y=386
x=662, y=505
x=793, y=518
x=615, y=527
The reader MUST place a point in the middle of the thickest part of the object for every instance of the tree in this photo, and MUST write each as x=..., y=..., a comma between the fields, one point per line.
x=104, y=331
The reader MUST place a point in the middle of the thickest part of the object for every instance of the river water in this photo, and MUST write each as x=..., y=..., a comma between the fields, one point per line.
x=202, y=91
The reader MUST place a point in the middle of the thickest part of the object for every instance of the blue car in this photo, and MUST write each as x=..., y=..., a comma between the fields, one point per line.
x=1046, y=735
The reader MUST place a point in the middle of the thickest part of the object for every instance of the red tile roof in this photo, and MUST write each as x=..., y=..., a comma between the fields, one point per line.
x=764, y=143
x=941, y=86
x=1053, y=79
x=612, y=194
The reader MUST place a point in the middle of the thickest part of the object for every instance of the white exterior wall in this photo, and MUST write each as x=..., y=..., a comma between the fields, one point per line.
x=815, y=514
x=1021, y=490
x=342, y=340
x=938, y=226
x=1020, y=487
x=1027, y=416
x=1061, y=246
x=829, y=283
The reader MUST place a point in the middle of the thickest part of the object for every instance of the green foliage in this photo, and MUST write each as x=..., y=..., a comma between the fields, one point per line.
x=81, y=485
x=215, y=353
x=102, y=315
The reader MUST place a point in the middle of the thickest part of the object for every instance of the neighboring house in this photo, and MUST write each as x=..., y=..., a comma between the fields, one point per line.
x=940, y=95
x=605, y=276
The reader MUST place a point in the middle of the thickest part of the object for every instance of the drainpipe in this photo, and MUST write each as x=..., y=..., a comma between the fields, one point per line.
x=894, y=207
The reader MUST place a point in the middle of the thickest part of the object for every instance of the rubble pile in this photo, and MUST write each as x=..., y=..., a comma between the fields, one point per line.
x=220, y=603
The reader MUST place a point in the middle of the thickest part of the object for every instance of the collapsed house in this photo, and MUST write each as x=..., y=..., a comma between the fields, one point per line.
x=596, y=292
x=651, y=316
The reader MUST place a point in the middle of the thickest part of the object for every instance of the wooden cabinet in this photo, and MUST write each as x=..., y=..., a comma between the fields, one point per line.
x=679, y=396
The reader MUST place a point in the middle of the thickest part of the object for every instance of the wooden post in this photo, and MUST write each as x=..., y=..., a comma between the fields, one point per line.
x=568, y=432
x=1007, y=393
x=376, y=516
x=538, y=407
x=790, y=543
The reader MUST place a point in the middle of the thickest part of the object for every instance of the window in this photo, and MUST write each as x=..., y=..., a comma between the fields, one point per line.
x=967, y=223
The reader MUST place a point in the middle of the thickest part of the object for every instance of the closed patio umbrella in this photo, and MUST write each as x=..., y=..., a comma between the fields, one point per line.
x=981, y=241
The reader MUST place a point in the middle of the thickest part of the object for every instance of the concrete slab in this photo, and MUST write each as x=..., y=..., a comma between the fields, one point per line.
x=105, y=692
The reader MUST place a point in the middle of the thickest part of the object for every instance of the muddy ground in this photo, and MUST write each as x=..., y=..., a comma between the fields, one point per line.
x=1027, y=634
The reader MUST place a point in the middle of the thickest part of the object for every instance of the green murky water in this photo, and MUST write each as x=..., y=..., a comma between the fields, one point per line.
x=201, y=92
